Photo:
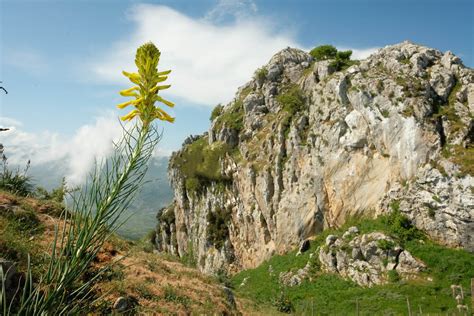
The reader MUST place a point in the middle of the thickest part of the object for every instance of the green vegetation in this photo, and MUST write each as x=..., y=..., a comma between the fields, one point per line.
x=340, y=59
x=233, y=117
x=217, y=229
x=199, y=163
x=17, y=182
x=171, y=295
x=323, y=52
x=261, y=74
x=292, y=101
x=329, y=294
x=216, y=112
x=462, y=156
x=57, y=195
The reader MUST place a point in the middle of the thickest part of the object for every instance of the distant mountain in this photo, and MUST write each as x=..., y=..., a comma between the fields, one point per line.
x=155, y=193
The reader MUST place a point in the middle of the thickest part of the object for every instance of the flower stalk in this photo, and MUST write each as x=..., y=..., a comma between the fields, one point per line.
x=96, y=210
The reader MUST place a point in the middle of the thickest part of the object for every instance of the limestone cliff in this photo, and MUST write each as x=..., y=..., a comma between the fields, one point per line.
x=303, y=147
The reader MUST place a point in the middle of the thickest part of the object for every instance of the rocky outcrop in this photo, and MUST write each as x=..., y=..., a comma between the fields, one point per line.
x=368, y=259
x=302, y=147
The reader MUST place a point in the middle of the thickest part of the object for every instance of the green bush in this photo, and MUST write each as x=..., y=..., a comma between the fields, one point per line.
x=323, y=52
x=400, y=226
x=292, y=99
x=217, y=229
x=342, y=60
x=216, y=112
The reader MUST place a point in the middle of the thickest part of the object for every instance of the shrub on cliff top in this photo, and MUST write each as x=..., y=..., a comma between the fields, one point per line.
x=323, y=52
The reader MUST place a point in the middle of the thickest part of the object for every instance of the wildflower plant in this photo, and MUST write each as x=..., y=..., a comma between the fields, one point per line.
x=95, y=211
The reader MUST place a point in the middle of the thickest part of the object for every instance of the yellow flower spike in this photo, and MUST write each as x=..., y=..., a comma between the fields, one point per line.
x=129, y=92
x=162, y=115
x=124, y=104
x=160, y=99
x=161, y=73
x=161, y=79
x=130, y=115
x=146, y=92
x=157, y=88
x=134, y=77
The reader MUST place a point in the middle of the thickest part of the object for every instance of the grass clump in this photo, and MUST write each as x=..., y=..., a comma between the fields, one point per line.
x=216, y=112
x=292, y=101
x=261, y=74
x=464, y=158
x=233, y=117
x=171, y=295
x=15, y=181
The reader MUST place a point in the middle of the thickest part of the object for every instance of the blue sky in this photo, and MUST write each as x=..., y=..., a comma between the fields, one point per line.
x=61, y=60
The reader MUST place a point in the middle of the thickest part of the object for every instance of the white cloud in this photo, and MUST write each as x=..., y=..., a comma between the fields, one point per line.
x=360, y=53
x=27, y=61
x=208, y=61
x=90, y=142
x=237, y=9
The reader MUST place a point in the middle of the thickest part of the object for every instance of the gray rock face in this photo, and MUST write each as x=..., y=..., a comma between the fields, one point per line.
x=366, y=259
x=396, y=127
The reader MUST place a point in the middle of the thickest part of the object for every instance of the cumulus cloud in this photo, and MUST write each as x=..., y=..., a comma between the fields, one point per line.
x=209, y=61
x=89, y=143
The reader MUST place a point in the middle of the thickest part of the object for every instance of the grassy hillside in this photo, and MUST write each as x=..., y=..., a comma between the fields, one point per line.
x=329, y=294
x=153, y=283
